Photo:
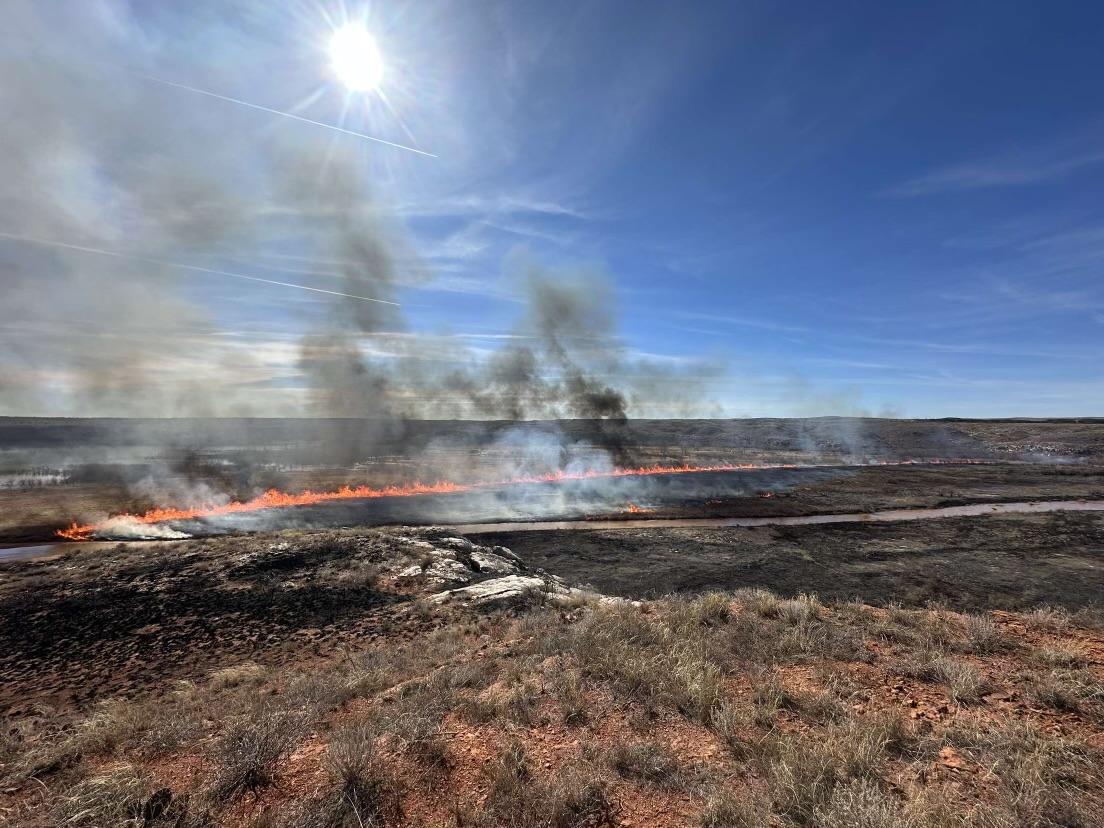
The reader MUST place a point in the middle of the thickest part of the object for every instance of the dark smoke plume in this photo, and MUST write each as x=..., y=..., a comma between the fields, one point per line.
x=93, y=155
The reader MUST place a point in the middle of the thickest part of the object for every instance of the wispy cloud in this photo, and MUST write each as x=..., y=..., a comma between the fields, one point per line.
x=744, y=322
x=1003, y=171
x=491, y=204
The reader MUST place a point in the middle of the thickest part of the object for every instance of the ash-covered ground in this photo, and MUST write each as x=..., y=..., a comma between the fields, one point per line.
x=55, y=471
x=931, y=621
x=192, y=604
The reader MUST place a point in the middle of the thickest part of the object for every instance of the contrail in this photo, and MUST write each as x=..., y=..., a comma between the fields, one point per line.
x=195, y=268
x=291, y=115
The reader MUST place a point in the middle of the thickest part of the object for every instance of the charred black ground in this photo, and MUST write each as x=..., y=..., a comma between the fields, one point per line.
x=55, y=471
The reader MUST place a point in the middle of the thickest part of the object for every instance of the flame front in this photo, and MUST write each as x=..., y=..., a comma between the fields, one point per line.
x=274, y=499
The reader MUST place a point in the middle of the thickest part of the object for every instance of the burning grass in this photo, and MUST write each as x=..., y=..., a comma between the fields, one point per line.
x=155, y=520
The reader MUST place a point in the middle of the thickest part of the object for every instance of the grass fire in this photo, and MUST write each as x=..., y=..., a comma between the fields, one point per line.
x=551, y=415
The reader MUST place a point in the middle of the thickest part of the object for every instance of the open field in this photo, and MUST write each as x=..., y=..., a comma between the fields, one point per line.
x=948, y=672
x=356, y=700
x=971, y=564
x=90, y=468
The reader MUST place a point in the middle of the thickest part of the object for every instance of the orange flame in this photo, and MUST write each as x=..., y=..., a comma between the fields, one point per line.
x=274, y=498
x=637, y=510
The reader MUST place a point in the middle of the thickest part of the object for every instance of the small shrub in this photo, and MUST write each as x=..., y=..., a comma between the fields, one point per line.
x=1059, y=656
x=648, y=762
x=725, y=810
x=983, y=635
x=860, y=804
x=366, y=794
x=1047, y=619
x=964, y=683
x=250, y=748
x=245, y=674
x=122, y=797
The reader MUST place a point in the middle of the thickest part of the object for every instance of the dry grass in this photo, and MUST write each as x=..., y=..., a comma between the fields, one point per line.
x=646, y=659
x=983, y=636
x=365, y=792
x=726, y=809
x=963, y=682
x=571, y=698
x=1059, y=656
x=861, y=803
x=736, y=724
x=790, y=686
x=1044, y=779
x=248, y=752
x=649, y=762
x=573, y=797
x=1047, y=619
x=246, y=674
x=122, y=797
x=804, y=772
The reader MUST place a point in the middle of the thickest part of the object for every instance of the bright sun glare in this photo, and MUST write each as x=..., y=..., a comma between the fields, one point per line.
x=355, y=58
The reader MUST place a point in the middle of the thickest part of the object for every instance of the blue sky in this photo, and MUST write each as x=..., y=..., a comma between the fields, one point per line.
x=825, y=208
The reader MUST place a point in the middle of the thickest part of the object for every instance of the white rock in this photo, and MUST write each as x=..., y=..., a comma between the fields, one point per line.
x=503, y=552
x=495, y=591
x=459, y=544
x=490, y=562
x=446, y=570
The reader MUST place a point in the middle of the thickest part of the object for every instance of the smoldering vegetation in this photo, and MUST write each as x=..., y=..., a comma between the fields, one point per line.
x=125, y=218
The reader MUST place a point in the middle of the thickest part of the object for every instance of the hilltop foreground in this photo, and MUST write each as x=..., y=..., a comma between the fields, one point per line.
x=411, y=677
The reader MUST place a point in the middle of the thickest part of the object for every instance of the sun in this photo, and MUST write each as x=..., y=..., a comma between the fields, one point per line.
x=355, y=58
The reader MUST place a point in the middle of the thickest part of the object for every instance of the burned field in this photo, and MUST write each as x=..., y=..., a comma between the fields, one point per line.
x=310, y=666
x=971, y=564
x=89, y=469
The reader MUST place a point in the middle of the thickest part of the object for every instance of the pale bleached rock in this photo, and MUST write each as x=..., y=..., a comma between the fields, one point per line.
x=506, y=590
x=490, y=562
x=447, y=570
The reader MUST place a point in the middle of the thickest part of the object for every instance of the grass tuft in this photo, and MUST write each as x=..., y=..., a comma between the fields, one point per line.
x=250, y=749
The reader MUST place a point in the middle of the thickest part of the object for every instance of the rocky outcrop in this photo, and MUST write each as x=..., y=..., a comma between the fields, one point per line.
x=483, y=576
x=443, y=559
x=511, y=589
x=515, y=590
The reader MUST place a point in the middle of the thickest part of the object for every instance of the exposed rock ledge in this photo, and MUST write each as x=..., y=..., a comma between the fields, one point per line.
x=479, y=575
